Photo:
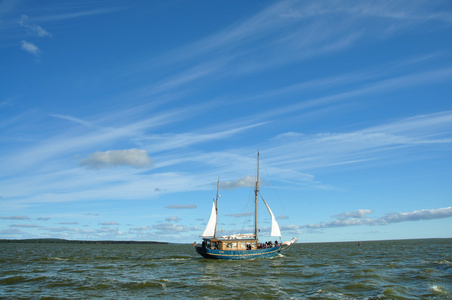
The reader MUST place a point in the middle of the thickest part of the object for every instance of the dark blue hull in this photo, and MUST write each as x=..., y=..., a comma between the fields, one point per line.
x=238, y=254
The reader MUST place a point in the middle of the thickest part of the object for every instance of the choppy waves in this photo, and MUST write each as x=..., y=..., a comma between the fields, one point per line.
x=376, y=270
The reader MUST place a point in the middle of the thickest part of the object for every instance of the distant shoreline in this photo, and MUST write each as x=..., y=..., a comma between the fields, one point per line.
x=63, y=241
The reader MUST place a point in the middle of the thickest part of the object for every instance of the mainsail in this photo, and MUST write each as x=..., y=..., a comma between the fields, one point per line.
x=210, y=228
x=275, y=227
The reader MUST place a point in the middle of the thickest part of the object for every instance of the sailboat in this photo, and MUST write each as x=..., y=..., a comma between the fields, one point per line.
x=240, y=246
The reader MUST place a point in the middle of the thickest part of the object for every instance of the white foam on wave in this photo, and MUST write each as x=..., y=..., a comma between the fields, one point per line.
x=57, y=258
x=438, y=289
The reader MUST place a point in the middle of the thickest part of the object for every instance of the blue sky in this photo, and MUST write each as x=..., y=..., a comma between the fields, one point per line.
x=117, y=117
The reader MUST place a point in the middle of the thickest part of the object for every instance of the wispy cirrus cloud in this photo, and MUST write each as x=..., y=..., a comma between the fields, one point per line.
x=289, y=31
x=30, y=25
x=365, y=84
x=167, y=141
x=34, y=29
x=62, y=14
x=71, y=118
x=361, y=146
x=74, y=140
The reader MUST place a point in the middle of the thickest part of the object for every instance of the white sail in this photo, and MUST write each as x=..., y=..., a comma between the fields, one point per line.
x=275, y=227
x=210, y=228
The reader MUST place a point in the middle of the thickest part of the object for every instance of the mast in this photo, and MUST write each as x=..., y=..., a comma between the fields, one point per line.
x=256, y=196
x=216, y=208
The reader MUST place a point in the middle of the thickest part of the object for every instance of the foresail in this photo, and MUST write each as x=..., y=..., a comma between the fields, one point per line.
x=210, y=228
x=275, y=227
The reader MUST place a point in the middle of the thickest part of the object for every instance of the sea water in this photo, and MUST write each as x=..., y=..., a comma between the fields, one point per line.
x=407, y=269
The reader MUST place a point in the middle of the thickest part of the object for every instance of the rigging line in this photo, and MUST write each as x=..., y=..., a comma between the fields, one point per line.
x=248, y=215
x=245, y=216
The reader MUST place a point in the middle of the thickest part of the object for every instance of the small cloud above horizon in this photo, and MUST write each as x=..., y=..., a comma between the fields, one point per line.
x=108, y=223
x=173, y=219
x=240, y=215
x=247, y=181
x=359, y=217
x=15, y=218
x=174, y=206
x=130, y=157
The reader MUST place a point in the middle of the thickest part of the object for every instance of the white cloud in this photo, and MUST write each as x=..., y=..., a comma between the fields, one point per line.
x=30, y=48
x=131, y=157
x=169, y=228
x=71, y=141
x=140, y=229
x=292, y=229
x=247, y=181
x=108, y=223
x=15, y=218
x=173, y=219
x=59, y=229
x=174, y=206
x=417, y=215
x=359, y=218
x=240, y=215
x=359, y=214
x=12, y=231
x=25, y=225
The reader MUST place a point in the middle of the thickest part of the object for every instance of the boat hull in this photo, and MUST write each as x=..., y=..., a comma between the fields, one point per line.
x=238, y=254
